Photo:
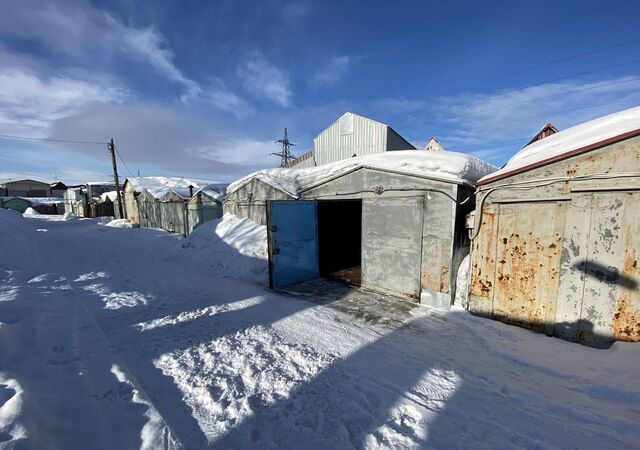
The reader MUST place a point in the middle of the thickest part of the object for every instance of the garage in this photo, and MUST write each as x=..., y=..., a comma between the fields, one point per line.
x=399, y=232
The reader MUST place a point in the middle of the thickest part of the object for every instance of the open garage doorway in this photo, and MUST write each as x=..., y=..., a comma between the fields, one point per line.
x=340, y=240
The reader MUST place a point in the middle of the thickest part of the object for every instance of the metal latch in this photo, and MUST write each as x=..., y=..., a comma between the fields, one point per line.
x=273, y=228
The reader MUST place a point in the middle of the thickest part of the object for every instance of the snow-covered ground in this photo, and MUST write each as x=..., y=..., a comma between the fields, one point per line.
x=133, y=338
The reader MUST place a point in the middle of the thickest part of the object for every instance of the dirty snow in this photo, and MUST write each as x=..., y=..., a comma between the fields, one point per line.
x=573, y=138
x=442, y=165
x=130, y=338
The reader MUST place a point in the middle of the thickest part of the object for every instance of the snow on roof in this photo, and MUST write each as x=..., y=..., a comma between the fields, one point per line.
x=455, y=167
x=111, y=195
x=36, y=200
x=100, y=183
x=158, y=186
x=215, y=191
x=563, y=142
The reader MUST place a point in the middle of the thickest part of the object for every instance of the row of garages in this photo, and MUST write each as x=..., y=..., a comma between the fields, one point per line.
x=554, y=246
x=176, y=205
x=168, y=203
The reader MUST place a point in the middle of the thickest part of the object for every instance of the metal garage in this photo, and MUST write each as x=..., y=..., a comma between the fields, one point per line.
x=558, y=235
x=392, y=223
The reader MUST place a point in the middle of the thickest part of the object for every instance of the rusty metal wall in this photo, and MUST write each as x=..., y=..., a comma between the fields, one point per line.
x=561, y=256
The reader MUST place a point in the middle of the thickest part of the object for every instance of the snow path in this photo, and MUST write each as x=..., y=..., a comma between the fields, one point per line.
x=118, y=338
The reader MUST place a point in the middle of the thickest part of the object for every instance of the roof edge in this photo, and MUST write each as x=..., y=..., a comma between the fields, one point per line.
x=565, y=155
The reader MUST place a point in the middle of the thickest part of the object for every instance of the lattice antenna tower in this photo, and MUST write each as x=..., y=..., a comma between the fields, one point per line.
x=285, y=155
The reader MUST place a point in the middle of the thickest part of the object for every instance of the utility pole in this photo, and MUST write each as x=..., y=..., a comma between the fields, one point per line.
x=112, y=150
x=285, y=155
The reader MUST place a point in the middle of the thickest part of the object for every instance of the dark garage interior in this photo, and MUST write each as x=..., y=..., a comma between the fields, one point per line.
x=339, y=239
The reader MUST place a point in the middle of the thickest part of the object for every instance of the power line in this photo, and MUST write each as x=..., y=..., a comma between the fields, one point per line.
x=122, y=159
x=509, y=91
x=536, y=98
x=67, y=141
x=554, y=112
x=538, y=66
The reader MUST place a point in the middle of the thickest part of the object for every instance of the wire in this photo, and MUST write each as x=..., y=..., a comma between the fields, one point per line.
x=537, y=183
x=68, y=141
x=615, y=83
x=510, y=91
x=122, y=159
x=555, y=112
x=546, y=64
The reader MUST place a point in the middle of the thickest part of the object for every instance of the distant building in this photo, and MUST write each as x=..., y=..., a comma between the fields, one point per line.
x=58, y=189
x=434, y=146
x=25, y=188
x=351, y=135
x=546, y=131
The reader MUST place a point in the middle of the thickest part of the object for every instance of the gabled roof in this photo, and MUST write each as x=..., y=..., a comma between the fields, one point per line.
x=546, y=131
x=573, y=141
x=26, y=180
x=59, y=185
x=446, y=166
x=434, y=145
x=158, y=185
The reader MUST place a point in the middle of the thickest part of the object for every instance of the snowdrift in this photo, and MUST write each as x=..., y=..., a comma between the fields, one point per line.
x=233, y=247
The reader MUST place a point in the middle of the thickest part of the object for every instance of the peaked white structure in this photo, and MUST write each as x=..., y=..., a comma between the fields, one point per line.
x=434, y=145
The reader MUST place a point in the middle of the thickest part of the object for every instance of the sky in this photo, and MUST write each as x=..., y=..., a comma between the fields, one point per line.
x=203, y=88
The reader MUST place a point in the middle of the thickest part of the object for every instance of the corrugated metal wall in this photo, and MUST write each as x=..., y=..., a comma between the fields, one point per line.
x=562, y=258
x=349, y=135
x=440, y=243
x=200, y=209
x=250, y=200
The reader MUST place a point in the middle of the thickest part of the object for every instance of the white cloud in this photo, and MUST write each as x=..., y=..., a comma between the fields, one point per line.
x=29, y=102
x=219, y=96
x=502, y=115
x=332, y=72
x=166, y=138
x=91, y=37
x=264, y=79
x=241, y=151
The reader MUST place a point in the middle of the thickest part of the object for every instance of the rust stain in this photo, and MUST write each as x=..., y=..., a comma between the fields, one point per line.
x=444, y=279
x=527, y=278
x=626, y=320
x=484, y=264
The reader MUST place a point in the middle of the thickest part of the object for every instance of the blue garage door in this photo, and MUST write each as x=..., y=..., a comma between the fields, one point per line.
x=293, y=242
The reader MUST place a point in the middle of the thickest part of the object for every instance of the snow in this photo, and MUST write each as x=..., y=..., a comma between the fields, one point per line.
x=442, y=165
x=215, y=191
x=31, y=212
x=158, y=186
x=111, y=195
x=579, y=136
x=130, y=338
x=463, y=277
x=119, y=223
x=38, y=200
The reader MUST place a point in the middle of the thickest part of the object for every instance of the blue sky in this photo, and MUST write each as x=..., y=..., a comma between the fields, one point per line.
x=203, y=88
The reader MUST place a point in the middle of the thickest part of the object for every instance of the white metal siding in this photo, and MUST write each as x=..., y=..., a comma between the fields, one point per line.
x=350, y=135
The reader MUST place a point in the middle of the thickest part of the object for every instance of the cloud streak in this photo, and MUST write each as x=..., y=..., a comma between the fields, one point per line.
x=332, y=72
x=263, y=79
